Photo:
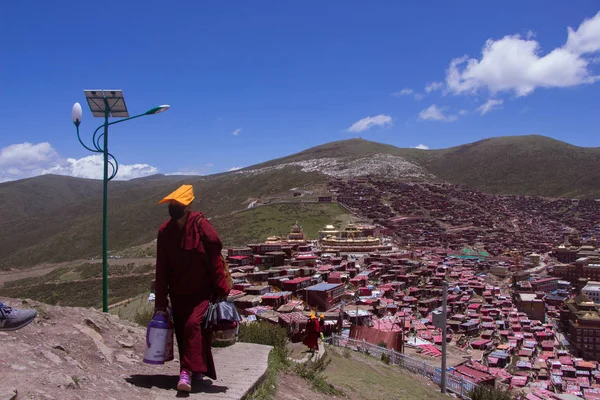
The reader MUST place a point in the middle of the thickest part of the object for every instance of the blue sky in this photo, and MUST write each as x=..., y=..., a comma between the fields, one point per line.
x=286, y=76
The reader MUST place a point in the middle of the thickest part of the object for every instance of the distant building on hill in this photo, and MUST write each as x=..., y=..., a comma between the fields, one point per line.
x=592, y=291
x=324, y=296
x=580, y=318
x=531, y=305
x=585, y=267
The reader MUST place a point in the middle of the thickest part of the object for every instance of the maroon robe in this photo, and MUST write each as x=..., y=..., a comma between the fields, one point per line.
x=190, y=270
x=312, y=334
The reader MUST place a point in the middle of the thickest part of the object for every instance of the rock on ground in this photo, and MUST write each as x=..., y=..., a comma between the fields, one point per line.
x=79, y=353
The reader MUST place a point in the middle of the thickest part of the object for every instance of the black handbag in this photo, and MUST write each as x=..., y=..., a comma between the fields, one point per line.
x=221, y=316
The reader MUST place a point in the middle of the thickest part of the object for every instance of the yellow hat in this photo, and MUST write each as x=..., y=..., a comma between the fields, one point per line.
x=313, y=316
x=322, y=316
x=184, y=195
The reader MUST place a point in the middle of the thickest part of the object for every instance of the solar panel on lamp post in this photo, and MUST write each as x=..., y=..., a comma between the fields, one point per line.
x=106, y=103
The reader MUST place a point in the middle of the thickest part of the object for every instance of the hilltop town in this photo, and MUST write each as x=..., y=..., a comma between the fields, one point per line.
x=522, y=300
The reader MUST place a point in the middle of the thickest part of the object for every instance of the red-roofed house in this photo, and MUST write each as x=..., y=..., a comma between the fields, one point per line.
x=472, y=375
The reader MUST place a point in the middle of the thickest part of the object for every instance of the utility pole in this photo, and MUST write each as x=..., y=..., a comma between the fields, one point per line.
x=445, y=319
x=439, y=321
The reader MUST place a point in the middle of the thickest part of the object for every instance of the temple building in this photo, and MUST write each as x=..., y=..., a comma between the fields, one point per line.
x=580, y=319
x=295, y=238
x=329, y=230
x=350, y=239
x=296, y=234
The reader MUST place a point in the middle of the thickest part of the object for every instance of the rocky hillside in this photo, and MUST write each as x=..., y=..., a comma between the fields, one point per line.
x=79, y=353
x=530, y=165
x=379, y=164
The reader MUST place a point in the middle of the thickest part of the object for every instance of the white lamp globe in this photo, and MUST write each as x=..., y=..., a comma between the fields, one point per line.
x=76, y=114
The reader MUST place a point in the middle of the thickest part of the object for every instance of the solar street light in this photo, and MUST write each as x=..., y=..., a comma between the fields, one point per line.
x=158, y=110
x=105, y=104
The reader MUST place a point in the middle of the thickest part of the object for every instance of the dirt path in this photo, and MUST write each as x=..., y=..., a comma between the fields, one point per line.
x=7, y=276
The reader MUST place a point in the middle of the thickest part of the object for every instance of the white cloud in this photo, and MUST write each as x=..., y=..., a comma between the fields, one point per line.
x=236, y=132
x=433, y=86
x=586, y=39
x=25, y=160
x=463, y=112
x=403, y=92
x=515, y=64
x=369, y=122
x=234, y=168
x=433, y=113
x=489, y=105
x=92, y=167
x=421, y=147
x=407, y=92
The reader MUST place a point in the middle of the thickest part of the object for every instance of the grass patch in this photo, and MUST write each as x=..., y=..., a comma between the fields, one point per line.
x=313, y=371
x=386, y=358
x=369, y=379
x=273, y=335
x=143, y=317
x=256, y=224
x=80, y=285
x=69, y=276
x=82, y=293
x=36, y=280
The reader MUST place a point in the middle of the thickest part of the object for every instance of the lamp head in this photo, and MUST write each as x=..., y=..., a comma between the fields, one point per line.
x=76, y=114
x=158, y=110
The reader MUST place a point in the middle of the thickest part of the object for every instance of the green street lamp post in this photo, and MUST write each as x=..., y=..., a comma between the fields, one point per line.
x=106, y=103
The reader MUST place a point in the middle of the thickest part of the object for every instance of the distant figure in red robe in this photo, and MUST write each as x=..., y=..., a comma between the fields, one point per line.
x=312, y=333
x=322, y=326
x=190, y=271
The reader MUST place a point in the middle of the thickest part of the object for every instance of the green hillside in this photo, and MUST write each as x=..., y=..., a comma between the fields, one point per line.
x=529, y=165
x=56, y=218
x=71, y=229
x=258, y=223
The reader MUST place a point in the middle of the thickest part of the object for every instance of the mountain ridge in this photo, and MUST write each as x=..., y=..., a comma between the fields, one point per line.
x=533, y=165
x=54, y=218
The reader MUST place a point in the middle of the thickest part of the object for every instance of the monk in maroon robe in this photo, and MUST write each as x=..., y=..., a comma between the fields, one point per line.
x=189, y=269
x=312, y=333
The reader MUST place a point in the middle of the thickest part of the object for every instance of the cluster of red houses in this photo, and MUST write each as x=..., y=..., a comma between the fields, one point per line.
x=452, y=216
x=511, y=320
x=501, y=334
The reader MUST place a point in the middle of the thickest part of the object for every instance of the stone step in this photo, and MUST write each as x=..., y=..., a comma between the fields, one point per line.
x=240, y=369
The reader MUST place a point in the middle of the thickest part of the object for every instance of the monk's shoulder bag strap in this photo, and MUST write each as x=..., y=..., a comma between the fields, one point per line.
x=223, y=260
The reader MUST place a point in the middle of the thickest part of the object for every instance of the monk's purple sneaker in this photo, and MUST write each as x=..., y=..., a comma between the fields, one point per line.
x=185, y=381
